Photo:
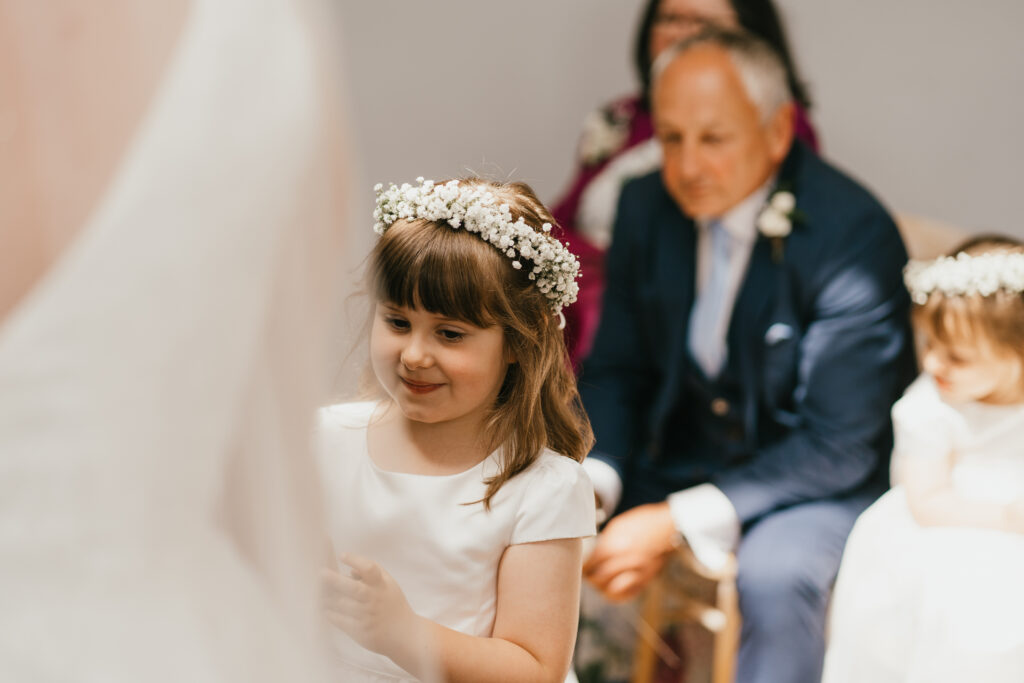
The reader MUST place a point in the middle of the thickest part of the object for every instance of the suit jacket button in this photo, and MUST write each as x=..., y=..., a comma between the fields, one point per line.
x=720, y=407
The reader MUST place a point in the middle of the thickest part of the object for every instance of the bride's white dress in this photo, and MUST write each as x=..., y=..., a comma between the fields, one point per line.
x=159, y=519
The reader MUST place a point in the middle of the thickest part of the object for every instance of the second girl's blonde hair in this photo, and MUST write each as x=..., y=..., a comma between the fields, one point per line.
x=996, y=320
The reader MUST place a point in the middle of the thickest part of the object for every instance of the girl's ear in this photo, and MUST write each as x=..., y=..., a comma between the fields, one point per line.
x=510, y=356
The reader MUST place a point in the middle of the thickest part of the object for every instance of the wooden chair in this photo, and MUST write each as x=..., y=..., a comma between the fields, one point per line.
x=687, y=593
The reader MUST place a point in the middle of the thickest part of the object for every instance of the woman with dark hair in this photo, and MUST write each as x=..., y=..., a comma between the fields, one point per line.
x=617, y=142
x=668, y=21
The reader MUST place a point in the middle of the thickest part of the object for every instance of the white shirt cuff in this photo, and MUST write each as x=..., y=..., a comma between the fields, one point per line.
x=607, y=485
x=707, y=521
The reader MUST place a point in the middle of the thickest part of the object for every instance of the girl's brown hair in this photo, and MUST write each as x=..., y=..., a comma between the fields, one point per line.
x=996, y=320
x=430, y=266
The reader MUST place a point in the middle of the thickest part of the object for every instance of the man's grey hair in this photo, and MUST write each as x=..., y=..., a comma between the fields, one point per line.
x=759, y=66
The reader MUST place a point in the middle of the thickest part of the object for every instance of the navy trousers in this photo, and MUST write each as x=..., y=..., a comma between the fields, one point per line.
x=788, y=561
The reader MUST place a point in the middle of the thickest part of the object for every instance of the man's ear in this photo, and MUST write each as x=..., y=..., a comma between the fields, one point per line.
x=780, y=132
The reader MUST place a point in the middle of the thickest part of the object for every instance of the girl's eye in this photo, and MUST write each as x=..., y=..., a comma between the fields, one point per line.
x=450, y=335
x=958, y=356
x=399, y=324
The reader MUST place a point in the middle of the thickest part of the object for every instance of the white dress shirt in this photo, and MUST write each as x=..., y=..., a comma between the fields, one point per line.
x=702, y=514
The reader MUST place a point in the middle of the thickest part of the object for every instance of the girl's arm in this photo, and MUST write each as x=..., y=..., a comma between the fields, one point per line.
x=934, y=502
x=534, y=629
x=535, y=626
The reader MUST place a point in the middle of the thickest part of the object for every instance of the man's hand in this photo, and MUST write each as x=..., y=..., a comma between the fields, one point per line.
x=369, y=606
x=630, y=551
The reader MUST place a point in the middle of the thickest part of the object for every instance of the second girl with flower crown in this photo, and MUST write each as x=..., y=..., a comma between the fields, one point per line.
x=930, y=585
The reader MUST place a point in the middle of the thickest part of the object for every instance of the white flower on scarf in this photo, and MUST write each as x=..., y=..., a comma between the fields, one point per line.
x=604, y=133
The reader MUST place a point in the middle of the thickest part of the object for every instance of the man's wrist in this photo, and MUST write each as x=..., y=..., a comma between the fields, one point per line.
x=706, y=523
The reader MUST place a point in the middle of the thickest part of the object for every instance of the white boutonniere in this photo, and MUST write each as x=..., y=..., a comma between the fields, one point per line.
x=776, y=220
x=605, y=131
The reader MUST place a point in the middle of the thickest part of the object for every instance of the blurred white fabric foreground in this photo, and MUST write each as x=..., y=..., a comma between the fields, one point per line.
x=159, y=513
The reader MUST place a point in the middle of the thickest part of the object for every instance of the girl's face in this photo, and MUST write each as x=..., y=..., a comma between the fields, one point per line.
x=679, y=19
x=974, y=372
x=435, y=368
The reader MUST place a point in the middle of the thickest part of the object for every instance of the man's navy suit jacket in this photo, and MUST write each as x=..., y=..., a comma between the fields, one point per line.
x=819, y=339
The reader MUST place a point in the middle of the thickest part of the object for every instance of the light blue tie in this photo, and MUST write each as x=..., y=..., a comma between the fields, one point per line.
x=706, y=346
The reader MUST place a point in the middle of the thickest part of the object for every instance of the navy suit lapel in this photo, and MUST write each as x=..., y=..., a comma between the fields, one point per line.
x=674, y=278
x=764, y=297
x=750, y=317
x=675, y=256
x=753, y=303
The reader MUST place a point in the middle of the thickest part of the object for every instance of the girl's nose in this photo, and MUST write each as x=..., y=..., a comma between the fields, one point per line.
x=415, y=354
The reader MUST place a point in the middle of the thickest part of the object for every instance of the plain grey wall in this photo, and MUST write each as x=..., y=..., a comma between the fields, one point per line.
x=446, y=87
x=923, y=100
x=920, y=99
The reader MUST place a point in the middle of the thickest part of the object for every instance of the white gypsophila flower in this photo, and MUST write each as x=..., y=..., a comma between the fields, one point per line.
x=784, y=202
x=773, y=223
x=476, y=209
x=602, y=136
x=965, y=275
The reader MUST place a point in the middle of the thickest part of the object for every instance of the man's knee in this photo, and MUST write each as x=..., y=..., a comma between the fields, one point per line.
x=779, y=589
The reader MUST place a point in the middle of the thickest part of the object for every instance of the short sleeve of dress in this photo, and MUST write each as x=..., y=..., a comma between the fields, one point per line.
x=922, y=425
x=557, y=501
x=340, y=437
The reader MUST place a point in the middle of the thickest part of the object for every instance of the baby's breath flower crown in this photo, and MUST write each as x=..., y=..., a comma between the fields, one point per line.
x=476, y=209
x=964, y=275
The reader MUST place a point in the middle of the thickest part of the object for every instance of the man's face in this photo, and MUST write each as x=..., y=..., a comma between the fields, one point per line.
x=716, y=148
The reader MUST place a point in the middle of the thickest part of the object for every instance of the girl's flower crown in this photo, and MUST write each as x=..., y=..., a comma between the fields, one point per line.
x=963, y=275
x=476, y=209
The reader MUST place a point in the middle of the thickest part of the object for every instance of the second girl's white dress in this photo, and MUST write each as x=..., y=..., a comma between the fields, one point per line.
x=441, y=547
x=936, y=604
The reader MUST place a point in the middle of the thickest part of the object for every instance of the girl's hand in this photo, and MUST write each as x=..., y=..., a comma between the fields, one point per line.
x=369, y=606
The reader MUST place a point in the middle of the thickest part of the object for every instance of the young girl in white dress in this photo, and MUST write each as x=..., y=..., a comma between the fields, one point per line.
x=930, y=588
x=457, y=503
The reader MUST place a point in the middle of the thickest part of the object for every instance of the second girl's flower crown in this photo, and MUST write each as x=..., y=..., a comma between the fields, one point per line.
x=476, y=209
x=964, y=275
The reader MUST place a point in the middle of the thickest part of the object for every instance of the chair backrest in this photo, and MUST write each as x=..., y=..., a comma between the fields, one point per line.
x=926, y=238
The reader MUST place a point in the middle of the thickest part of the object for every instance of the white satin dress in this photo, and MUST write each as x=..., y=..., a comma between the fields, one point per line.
x=158, y=510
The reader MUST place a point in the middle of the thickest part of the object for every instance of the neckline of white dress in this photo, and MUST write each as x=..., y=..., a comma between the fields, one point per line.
x=365, y=432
